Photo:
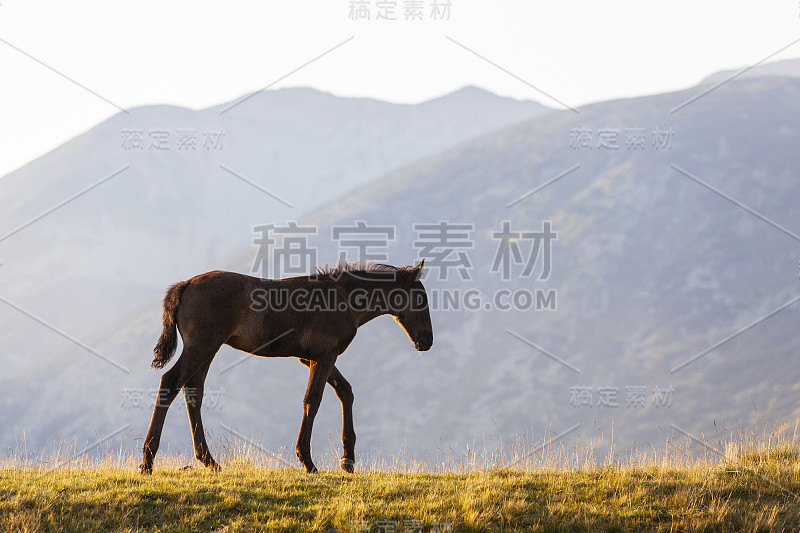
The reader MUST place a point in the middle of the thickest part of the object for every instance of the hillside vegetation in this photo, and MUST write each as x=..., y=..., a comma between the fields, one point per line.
x=742, y=488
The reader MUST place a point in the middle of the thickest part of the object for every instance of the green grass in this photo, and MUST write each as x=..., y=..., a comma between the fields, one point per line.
x=745, y=486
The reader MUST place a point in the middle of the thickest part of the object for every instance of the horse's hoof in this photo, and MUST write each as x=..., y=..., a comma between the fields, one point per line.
x=145, y=470
x=348, y=465
x=313, y=470
x=214, y=467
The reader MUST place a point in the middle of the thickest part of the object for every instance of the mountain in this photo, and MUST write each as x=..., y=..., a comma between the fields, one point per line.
x=673, y=269
x=674, y=275
x=786, y=68
x=99, y=226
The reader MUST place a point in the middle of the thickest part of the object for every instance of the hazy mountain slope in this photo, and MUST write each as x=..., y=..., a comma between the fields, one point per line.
x=162, y=192
x=787, y=68
x=651, y=268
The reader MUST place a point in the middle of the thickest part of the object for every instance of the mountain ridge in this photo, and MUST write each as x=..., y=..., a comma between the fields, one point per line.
x=652, y=268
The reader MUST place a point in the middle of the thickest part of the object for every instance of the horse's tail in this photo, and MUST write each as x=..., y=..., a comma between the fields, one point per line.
x=168, y=342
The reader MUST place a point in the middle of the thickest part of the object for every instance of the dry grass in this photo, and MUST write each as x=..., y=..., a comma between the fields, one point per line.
x=748, y=482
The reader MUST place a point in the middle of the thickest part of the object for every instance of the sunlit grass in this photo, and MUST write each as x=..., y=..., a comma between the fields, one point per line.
x=747, y=482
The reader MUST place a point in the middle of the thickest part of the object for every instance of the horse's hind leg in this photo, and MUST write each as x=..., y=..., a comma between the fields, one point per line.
x=345, y=394
x=193, y=394
x=172, y=381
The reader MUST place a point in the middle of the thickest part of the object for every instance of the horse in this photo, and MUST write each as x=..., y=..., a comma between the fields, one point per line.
x=313, y=318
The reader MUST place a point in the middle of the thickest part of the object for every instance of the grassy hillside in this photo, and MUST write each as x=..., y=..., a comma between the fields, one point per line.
x=753, y=491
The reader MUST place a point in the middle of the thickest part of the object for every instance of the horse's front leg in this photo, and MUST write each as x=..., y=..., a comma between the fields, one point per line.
x=317, y=376
x=345, y=394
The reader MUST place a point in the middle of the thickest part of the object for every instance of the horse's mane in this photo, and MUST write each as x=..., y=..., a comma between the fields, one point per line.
x=357, y=267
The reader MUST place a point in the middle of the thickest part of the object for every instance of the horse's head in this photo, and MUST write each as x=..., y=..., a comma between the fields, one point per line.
x=413, y=313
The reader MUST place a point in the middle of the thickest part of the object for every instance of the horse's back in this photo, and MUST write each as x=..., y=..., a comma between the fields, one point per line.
x=212, y=304
x=230, y=307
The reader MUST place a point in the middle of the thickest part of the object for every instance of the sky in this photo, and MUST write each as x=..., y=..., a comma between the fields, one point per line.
x=66, y=66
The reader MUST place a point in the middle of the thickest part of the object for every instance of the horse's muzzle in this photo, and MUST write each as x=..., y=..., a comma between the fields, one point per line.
x=424, y=340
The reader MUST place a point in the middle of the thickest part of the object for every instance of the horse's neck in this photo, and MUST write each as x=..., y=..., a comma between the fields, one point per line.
x=370, y=286
x=364, y=317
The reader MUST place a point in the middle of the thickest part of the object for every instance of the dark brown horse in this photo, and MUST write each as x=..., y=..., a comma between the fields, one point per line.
x=313, y=318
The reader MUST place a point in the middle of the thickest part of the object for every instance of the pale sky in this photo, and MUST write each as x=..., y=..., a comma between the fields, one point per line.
x=199, y=53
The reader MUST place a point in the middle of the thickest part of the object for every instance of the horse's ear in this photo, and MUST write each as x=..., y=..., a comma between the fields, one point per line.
x=418, y=270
